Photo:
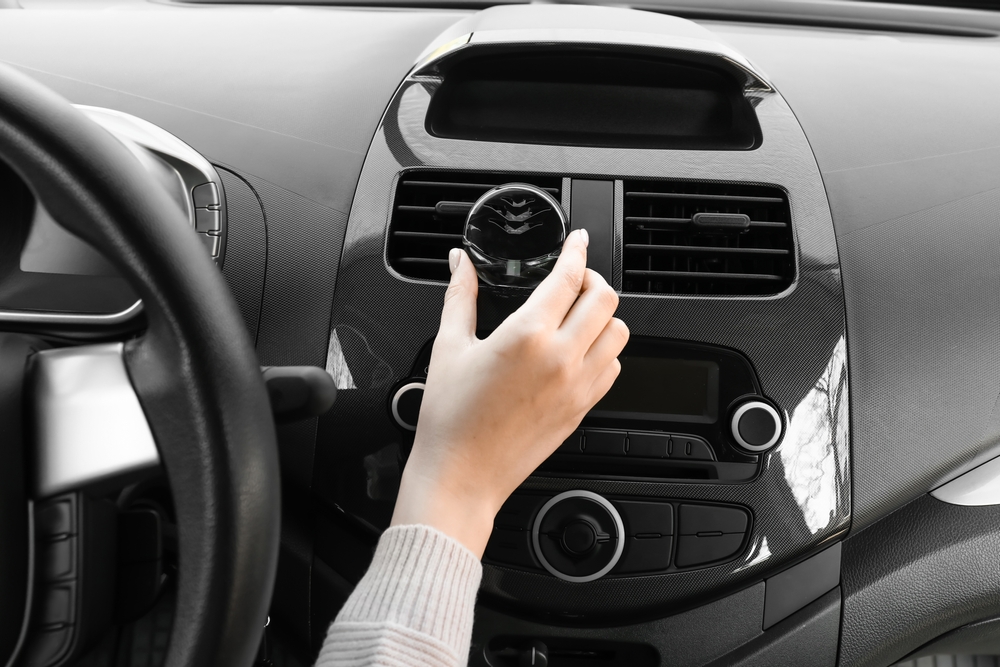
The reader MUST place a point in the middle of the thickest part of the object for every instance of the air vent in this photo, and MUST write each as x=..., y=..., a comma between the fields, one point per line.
x=429, y=216
x=706, y=238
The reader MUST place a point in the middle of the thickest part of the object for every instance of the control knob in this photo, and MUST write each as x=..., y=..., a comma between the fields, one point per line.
x=756, y=425
x=578, y=536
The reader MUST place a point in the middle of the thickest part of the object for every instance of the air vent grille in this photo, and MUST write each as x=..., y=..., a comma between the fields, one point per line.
x=706, y=238
x=429, y=215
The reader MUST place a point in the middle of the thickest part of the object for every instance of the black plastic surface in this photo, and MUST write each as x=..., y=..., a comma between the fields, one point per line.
x=913, y=193
x=246, y=248
x=808, y=637
x=789, y=591
x=15, y=553
x=631, y=102
x=688, y=639
x=592, y=208
x=299, y=392
x=921, y=572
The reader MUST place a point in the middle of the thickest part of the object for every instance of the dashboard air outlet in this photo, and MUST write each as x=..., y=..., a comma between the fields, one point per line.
x=429, y=215
x=706, y=239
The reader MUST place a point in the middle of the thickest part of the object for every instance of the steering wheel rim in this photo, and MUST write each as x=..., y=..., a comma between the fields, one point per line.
x=194, y=370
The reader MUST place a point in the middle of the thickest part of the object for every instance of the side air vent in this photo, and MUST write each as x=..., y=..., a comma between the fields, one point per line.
x=706, y=238
x=429, y=215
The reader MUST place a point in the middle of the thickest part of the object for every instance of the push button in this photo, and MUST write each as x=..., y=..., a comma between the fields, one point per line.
x=646, y=519
x=206, y=220
x=206, y=195
x=56, y=559
x=691, y=448
x=511, y=547
x=695, y=519
x=609, y=443
x=54, y=519
x=702, y=549
x=646, y=554
x=211, y=243
x=573, y=444
x=648, y=445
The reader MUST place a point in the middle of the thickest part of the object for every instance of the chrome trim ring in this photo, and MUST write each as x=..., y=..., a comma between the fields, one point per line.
x=395, y=404
x=600, y=500
x=743, y=409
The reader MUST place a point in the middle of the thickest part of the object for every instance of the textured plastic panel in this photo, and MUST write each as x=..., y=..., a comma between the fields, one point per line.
x=303, y=251
x=246, y=248
x=914, y=186
x=927, y=569
x=801, y=499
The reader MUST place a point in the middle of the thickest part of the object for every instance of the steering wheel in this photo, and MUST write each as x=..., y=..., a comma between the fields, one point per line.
x=193, y=371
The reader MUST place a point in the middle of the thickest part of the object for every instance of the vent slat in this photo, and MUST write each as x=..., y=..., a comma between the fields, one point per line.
x=422, y=261
x=664, y=252
x=700, y=275
x=704, y=249
x=429, y=213
x=648, y=220
x=706, y=197
x=468, y=186
x=435, y=236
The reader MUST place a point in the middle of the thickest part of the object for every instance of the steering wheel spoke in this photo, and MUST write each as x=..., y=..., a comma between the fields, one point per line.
x=90, y=430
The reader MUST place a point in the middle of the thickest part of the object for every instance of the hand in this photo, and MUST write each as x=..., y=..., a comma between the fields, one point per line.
x=494, y=409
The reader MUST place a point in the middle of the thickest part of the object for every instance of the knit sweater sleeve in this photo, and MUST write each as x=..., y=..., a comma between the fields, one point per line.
x=413, y=608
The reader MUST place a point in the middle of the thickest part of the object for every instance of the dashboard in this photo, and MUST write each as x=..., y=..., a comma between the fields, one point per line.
x=800, y=220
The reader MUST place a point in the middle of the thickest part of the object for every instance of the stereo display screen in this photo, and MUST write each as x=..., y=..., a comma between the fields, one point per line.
x=657, y=389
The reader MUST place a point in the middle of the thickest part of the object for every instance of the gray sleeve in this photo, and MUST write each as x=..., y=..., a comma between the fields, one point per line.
x=413, y=608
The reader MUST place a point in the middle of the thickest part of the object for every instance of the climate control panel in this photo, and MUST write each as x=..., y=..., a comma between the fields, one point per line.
x=581, y=536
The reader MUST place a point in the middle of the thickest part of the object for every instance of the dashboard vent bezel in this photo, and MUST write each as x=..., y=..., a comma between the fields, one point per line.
x=425, y=225
x=750, y=252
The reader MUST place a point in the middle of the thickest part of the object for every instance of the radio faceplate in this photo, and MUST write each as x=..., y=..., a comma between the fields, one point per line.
x=668, y=416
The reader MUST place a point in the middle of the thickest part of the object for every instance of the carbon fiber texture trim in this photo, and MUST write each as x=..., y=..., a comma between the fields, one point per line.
x=796, y=341
x=912, y=182
x=246, y=248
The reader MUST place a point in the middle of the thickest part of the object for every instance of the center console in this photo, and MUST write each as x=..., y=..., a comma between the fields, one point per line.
x=720, y=458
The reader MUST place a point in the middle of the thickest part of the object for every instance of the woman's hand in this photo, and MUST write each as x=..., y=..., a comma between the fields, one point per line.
x=494, y=409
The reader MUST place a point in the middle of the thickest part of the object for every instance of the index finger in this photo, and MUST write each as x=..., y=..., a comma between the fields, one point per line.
x=553, y=298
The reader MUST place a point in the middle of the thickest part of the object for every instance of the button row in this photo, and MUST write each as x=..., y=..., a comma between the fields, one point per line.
x=704, y=534
x=638, y=444
x=207, y=216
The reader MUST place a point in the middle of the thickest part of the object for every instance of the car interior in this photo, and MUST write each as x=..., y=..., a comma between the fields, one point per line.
x=226, y=227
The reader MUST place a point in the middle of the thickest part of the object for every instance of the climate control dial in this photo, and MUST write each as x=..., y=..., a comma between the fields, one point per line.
x=578, y=536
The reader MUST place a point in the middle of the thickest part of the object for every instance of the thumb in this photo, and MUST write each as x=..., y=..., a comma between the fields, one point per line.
x=458, y=317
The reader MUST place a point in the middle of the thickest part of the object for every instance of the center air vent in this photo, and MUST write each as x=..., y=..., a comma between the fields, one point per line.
x=429, y=216
x=706, y=238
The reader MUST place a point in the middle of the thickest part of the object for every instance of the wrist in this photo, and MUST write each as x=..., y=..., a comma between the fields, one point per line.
x=462, y=515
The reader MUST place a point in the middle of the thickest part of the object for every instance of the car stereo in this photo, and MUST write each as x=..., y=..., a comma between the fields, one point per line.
x=678, y=410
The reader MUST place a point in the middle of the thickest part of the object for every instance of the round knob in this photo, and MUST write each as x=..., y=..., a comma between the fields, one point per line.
x=756, y=426
x=514, y=233
x=578, y=536
x=405, y=405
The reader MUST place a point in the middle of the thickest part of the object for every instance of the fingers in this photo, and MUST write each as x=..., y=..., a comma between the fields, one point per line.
x=589, y=316
x=458, y=318
x=609, y=344
x=602, y=383
x=553, y=298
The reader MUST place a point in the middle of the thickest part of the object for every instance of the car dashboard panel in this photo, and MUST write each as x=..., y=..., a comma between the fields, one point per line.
x=780, y=227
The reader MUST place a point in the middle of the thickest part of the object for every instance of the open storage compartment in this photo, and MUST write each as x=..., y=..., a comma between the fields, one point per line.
x=585, y=98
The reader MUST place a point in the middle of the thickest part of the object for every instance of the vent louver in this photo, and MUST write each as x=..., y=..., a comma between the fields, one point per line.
x=706, y=238
x=429, y=215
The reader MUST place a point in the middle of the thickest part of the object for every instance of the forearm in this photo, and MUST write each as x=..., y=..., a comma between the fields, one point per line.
x=413, y=608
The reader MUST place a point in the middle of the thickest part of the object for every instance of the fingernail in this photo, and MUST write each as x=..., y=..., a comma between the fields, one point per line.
x=585, y=235
x=454, y=257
